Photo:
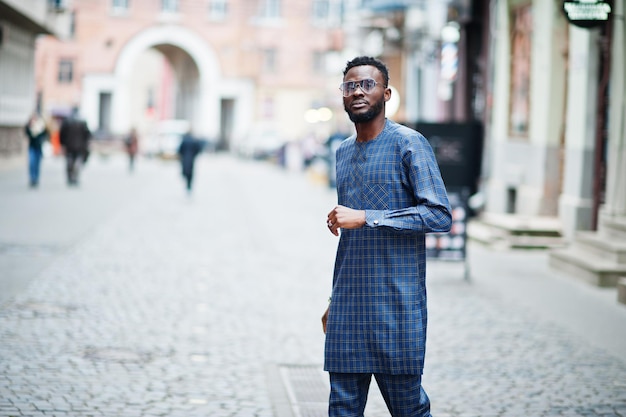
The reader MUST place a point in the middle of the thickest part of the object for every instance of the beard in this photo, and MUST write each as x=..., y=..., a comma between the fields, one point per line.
x=369, y=115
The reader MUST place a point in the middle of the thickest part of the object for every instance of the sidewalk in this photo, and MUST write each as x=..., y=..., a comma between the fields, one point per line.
x=39, y=224
x=156, y=303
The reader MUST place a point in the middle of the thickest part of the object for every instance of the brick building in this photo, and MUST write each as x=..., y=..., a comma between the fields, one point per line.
x=235, y=69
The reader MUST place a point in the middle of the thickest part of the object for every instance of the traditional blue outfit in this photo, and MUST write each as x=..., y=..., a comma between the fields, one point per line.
x=377, y=316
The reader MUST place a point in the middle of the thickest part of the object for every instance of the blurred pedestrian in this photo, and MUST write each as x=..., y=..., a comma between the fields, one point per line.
x=188, y=150
x=74, y=137
x=390, y=193
x=332, y=144
x=37, y=133
x=131, y=143
x=55, y=140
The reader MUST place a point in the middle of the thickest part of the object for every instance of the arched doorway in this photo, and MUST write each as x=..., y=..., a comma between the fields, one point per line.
x=164, y=95
x=192, y=93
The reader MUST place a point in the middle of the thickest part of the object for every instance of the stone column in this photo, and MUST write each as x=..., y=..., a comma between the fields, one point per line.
x=576, y=201
x=615, y=204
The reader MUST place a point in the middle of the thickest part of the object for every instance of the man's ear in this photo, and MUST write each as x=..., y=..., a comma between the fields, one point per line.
x=387, y=94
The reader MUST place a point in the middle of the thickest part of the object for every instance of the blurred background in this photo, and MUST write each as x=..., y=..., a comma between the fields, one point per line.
x=130, y=295
x=523, y=100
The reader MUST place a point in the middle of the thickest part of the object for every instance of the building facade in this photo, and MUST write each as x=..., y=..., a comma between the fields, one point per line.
x=597, y=254
x=555, y=131
x=549, y=90
x=21, y=21
x=235, y=69
x=527, y=117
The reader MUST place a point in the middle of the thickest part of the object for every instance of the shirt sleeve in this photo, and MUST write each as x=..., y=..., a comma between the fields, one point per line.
x=432, y=211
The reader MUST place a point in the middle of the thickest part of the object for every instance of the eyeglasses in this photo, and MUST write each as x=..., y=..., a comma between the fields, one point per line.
x=349, y=87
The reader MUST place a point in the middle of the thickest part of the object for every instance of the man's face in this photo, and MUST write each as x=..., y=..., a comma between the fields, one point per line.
x=361, y=106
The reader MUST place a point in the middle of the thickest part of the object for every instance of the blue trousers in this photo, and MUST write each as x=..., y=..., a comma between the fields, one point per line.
x=34, y=163
x=403, y=394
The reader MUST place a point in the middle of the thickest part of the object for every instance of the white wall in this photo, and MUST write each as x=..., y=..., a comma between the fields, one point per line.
x=17, y=85
x=576, y=201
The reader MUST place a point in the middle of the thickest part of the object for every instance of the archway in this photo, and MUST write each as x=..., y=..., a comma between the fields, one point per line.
x=164, y=94
x=197, y=75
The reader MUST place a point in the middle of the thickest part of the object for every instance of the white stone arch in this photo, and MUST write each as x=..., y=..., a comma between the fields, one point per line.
x=206, y=122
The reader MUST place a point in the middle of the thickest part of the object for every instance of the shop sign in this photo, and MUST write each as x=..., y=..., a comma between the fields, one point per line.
x=587, y=13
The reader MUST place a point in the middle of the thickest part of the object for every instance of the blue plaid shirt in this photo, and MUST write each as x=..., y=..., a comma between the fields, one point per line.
x=377, y=317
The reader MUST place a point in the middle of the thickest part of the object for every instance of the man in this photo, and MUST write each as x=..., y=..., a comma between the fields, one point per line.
x=390, y=193
x=74, y=136
x=188, y=149
x=131, y=143
x=37, y=133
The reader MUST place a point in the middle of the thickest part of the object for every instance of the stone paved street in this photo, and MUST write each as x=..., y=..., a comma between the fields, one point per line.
x=158, y=303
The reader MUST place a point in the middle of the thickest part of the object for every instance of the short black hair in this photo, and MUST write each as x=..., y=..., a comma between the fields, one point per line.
x=368, y=60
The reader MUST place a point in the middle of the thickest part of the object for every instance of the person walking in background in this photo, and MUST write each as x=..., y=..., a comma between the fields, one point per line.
x=74, y=136
x=131, y=143
x=55, y=141
x=332, y=144
x=390, y=193
x=188, y=150
x=37, y=133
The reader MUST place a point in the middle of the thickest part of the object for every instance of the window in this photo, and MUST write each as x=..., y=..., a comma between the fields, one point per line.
x=58, y=5
x=321, y=10
x=269, y=60
x=66, y=71
x=150, y=99
x=218, y=9
x=521, y=38
x=72, y=31
x=270, y=9
x=319, y=59
x=119, y=5
x=104, y=111
x=267, y=108
x=170, y=6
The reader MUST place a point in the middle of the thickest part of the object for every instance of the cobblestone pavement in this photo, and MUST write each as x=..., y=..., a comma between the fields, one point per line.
x=178, y=305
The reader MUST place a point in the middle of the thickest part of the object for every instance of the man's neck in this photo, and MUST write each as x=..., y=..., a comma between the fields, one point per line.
x=370, y=130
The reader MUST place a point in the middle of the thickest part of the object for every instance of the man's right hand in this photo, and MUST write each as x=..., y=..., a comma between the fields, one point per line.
x=325, y=319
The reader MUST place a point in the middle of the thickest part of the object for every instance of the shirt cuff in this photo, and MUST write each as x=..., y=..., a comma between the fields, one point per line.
x=373, y=218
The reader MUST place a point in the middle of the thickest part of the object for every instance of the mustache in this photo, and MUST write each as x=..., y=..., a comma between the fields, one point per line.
x=371, y=113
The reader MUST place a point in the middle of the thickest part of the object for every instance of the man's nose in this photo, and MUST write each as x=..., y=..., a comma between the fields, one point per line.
x=358, y=90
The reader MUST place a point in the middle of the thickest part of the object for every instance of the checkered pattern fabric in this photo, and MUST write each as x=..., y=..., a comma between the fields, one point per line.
x=403, y=394
x=377, y=317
